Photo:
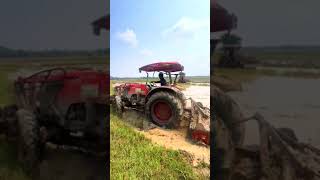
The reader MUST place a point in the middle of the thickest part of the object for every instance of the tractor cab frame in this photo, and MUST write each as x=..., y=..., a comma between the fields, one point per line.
x=168, y=68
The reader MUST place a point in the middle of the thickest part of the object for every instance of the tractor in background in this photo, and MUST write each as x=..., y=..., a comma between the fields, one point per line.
x=221, y=20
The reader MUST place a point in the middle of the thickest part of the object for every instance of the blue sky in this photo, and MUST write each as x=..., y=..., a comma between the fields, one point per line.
x=145, y=31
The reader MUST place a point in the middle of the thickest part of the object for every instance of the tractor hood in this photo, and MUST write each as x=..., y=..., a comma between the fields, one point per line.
x=162, y=66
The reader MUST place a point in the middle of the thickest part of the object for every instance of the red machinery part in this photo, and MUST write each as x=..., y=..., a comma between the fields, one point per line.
x=201, y=136
x=220, y=18
x=136, y=88
x=77, y=84
x=162, y=111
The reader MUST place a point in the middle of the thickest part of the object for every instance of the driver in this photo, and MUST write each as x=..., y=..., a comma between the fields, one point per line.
x=162, y=81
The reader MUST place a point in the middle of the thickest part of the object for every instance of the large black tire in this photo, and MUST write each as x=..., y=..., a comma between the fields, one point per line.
x=29, y=146
x=172, y=101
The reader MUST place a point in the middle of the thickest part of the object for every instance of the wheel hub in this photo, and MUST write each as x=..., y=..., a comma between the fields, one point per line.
x=162, y=111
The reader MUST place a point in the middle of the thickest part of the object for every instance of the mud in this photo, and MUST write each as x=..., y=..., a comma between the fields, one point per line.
x=65, y=164
x=176, y=139
x=196, y=154
x=226, y=84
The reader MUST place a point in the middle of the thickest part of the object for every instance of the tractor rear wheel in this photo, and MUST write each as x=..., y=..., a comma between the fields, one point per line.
x=164, y=109
x=28, y=141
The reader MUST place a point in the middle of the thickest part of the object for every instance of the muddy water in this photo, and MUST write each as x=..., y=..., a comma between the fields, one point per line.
x=285, y=102
x=199, y=94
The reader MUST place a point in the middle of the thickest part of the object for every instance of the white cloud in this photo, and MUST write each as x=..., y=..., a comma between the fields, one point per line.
x=187, y=27
x=146, y=52
x=129, y=37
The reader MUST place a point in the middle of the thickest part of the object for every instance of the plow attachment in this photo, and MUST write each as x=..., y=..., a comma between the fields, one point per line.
x=199, y=127
x=279, y=156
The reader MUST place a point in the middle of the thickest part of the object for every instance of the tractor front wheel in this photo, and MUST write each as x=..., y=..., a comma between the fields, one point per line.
x=28, y=141
x=164, y=109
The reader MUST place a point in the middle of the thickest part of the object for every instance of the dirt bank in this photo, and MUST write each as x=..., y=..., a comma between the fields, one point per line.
x=176, y=139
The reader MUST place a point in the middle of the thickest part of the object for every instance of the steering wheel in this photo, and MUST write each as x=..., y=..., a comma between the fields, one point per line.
x=150, y=84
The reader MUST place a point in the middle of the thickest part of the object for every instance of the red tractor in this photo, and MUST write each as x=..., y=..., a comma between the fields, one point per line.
x=61, y=106
x=163, y=105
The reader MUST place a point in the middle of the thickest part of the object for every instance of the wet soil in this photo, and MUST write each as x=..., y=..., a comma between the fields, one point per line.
x=65, y=164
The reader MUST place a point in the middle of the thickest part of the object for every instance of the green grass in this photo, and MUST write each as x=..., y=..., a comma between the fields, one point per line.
x=9, y=167
x=132, y=156
x=8, y=174
x=5, y=88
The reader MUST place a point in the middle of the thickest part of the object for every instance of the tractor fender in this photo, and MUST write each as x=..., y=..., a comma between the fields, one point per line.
x=171, y=90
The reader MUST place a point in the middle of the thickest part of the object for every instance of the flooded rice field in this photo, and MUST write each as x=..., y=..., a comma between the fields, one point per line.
x=199, y=94
x=284, y=102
